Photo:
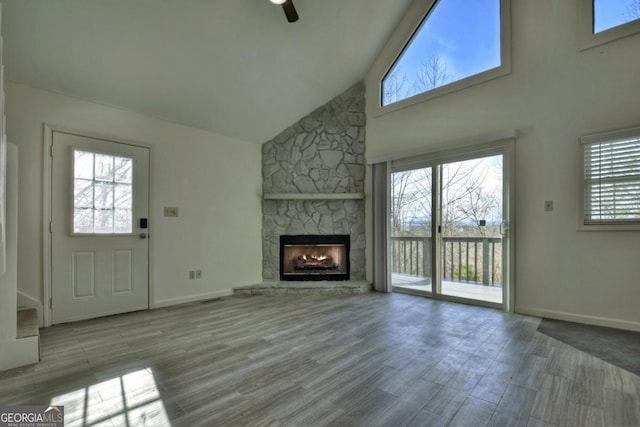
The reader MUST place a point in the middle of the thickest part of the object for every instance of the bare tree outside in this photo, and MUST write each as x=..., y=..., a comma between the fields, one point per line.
x=469, y=205
x=411, y=202
x=431, y=74
x=479, y=206
x=403, y=198
x=466, y=201
x=632, y=12
x=394, y=88
x=470, y=216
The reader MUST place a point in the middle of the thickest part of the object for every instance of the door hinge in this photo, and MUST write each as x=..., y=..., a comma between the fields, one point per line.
x=51, y=150
x=439, y=229
x=51, y=227
x=50, y=303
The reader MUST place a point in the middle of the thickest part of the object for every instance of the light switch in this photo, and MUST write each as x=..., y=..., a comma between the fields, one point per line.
x=170, y=211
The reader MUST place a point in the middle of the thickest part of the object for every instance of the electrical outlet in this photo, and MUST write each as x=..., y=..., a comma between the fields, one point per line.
x=548, y=205
x=192, y=275
x=171, y=211
x=198, y=274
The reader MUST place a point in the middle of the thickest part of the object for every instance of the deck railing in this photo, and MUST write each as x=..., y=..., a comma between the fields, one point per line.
x=466, y=259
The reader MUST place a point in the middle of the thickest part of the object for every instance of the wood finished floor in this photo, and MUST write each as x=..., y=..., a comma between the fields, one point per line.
x=387, y=360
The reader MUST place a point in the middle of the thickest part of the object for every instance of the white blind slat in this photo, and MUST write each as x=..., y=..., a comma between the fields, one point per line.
x=612, y=181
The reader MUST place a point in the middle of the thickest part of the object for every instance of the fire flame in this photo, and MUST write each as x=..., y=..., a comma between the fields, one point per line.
x=314, y=257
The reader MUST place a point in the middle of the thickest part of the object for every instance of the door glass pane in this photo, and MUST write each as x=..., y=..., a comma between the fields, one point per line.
x=103, y=167
x=122, y=196
x=123, y=170
x=411, y=220
x=83, y=165
x=103, y=221
x=472, y=214
x=122, y=220
x=102, y=193
x=83, y=193
x=83, y=220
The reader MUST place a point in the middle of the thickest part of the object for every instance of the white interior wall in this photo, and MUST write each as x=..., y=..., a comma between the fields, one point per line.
x=554, y=94
x=214, y=181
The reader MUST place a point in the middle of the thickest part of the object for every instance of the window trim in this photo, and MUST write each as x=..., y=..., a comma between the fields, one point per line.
x=403, y=35
x=594, y=139
x=588, y=39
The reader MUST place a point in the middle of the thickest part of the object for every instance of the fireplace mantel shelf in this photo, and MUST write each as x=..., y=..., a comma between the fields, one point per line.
x=313, y=196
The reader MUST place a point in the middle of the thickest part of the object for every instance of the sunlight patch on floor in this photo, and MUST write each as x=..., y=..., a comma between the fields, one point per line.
x=131, y=399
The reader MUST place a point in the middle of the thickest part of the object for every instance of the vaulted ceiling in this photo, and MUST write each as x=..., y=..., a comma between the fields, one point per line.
x=235, y=67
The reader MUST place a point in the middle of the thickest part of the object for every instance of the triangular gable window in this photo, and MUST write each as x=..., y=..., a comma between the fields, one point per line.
x=613, y=13
x=456, y=40
x=603, y=21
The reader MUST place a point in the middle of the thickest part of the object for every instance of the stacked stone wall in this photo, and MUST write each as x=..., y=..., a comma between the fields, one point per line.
x=321, y=153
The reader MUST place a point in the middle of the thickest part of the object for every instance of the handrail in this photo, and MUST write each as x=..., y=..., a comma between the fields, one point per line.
x=472, y=239
x=465, y=259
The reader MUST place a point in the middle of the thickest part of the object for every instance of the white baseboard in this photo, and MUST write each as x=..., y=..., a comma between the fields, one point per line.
x=191, y=298
x=580, y=318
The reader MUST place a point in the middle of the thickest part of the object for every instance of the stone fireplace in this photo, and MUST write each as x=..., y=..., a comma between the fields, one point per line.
x=313, y=184
x=314, y=257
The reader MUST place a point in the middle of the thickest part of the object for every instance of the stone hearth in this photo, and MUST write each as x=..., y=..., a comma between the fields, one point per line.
x=305, y=288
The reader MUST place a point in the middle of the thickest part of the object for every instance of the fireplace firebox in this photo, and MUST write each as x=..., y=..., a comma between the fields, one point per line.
x=314, y=257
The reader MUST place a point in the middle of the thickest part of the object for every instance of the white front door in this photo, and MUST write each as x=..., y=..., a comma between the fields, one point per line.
x=99, y=245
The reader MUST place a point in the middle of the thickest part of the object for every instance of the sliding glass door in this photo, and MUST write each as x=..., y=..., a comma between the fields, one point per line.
x=449, y=226
x=412, y=229
x=472, y=224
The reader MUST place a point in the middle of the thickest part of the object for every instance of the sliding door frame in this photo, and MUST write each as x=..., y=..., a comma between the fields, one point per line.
x=435, y=160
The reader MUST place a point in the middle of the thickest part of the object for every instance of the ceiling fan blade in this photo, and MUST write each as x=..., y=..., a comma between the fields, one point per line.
x=290, y=11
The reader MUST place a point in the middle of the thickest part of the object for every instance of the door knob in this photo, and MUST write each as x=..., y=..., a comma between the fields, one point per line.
x=142, y=235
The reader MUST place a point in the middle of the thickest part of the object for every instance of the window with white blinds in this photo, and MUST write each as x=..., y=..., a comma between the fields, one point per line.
x=611, y=178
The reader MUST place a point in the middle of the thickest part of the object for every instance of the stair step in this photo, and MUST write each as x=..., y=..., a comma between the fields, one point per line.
x=27, y=323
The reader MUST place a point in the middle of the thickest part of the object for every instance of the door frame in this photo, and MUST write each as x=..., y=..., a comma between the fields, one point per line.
x=506, y=147
x=47, y=190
